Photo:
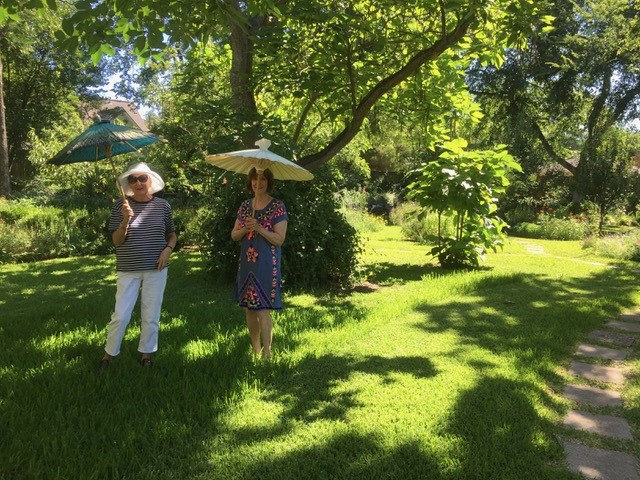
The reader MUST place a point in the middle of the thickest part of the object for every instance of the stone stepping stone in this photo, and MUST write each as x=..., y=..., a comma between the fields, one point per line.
x=593, y=396
x=599, y=464
x=626, y=326
x=632, y=317
x=601, y=424
x=597, y=372
x=621, y=339
x=600, y=352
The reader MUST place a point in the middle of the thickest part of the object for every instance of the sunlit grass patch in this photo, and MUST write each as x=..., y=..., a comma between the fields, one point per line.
x=437, y=374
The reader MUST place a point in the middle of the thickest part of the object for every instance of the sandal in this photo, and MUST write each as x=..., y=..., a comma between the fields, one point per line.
x=146, y=362
x=105, y=362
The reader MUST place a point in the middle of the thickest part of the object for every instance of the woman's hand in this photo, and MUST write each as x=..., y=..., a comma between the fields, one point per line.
x=120, y=234
x=163, y=259
x=251, y=224
x=127, y=212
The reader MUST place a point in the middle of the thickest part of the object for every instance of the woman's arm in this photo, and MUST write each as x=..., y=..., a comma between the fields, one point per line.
x=163, y=259
x=239, y=231
x=277, y=236
x=120, y=234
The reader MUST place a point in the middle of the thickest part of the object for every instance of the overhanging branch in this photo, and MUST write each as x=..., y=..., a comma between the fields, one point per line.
x=380, y=89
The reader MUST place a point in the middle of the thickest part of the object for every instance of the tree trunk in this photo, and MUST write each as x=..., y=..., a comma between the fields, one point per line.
x=241, y=78
x=5, y=172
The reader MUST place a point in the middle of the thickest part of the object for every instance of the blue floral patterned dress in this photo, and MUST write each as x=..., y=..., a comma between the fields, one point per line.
x=258, y=280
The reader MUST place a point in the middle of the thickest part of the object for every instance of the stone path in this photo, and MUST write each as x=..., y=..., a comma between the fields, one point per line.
x=597, y=386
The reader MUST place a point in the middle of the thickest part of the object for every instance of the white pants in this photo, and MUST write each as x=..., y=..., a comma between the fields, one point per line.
x=129, y=283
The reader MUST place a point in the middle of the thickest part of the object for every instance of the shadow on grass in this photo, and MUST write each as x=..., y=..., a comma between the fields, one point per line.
x=501, y=435
x=535, y=318
x=62, y=419
x=493, y=431
x=349, y=456
x=308, y=387
x=385, y=273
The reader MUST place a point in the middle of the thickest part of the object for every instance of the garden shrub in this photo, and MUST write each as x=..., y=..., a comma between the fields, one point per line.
x=32, y=232
x=464, y=185
x=186, y=220
x=621, y=246
x=321, y=248
x=527, y=230
x=353, y=205
x=564, y=229
x=362, y=221
x=520, y=214
x=69, y=226
x=420, y=227
x=551, y=228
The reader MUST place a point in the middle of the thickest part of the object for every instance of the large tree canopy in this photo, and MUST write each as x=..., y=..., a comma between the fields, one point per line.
x=557, y=100
x=329, y=61
x=38, y=82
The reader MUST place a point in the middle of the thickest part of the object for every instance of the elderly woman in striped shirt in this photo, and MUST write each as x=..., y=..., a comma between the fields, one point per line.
x=144, y=234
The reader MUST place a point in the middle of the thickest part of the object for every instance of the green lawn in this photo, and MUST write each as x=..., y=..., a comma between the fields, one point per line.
x=435, y=375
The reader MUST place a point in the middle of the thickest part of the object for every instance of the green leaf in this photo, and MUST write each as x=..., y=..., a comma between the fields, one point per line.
x=108, y=49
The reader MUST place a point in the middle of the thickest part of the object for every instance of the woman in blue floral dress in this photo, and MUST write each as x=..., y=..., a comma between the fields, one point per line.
x=260, y=227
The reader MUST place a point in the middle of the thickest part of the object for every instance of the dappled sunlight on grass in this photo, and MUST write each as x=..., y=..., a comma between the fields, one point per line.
x=199, y=349
x=438, y=374
x=64, y=340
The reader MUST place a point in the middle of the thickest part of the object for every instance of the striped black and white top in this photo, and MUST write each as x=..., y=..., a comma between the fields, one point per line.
x=147, y=234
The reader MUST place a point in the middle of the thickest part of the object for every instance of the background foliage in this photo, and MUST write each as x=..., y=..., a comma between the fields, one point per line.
x=321, y=248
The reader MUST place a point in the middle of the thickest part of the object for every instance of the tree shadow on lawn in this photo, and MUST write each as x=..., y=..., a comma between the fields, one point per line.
x=502, y=436
x=538, y=319
x=348, y=456
x=385, y=273
x=62, y=419
x=492, y=433
x=306, y=393
x=308, y=387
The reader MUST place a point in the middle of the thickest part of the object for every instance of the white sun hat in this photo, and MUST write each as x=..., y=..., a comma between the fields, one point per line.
x=157, y=183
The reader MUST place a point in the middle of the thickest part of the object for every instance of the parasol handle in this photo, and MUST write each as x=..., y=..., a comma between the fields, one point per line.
x=107, y=150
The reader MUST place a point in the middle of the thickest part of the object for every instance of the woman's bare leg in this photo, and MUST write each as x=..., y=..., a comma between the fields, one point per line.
x=253, y=324
x=266, y=326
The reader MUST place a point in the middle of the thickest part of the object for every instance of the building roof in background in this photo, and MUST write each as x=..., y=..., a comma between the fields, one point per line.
x=119, y=109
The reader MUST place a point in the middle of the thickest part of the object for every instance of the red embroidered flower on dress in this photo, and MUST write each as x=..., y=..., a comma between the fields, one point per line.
x=251, y=297
x=252, y=255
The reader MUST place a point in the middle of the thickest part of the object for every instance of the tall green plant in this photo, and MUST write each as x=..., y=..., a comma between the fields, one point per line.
x=465, y=185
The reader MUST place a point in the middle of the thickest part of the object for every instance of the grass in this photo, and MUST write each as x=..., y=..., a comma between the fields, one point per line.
x=438, y=374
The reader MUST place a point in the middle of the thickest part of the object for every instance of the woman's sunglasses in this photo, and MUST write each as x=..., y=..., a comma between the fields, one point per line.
x=133, y=179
